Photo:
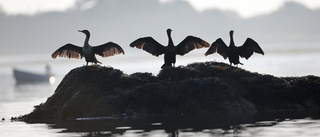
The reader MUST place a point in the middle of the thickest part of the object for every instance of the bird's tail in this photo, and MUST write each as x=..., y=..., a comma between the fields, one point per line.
x=166, y=65
x=96, y=62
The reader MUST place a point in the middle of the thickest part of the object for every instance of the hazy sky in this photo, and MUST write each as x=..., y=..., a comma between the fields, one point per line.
x=245, y=8
x=288, y=27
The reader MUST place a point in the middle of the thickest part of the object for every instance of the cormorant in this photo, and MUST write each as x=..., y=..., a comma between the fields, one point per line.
x=87, y=51
x=155, y=48
x=233, y=52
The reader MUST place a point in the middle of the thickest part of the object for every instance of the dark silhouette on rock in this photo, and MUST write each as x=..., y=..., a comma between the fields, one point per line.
x=155, y=48
x=197, y=89
x=232, y=52
x=87, y=51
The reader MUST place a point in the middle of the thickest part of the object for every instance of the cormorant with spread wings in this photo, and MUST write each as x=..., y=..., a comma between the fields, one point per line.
x=87, y=51
x=155, y=48
x=232, y=52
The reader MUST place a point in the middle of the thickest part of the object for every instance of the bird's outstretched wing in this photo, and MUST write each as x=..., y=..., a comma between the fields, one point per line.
x=220, y=47
x=150, y=45
x=69, y=51
x=108, y=49
x=190, y=43
x=249, y=46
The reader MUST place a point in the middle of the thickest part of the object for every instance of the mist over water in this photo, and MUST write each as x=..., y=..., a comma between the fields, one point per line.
x=17, y=100
x=301, y=59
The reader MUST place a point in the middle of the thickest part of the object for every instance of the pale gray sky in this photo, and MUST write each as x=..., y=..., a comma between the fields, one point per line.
x=289, y=34
x=245, y=8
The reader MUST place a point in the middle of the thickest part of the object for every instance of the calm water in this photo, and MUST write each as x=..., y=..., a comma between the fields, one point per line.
x=16, y=100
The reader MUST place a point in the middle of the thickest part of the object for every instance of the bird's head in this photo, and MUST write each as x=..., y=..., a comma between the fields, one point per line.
x=231, y=32
x=169, y=31
x=85, y=32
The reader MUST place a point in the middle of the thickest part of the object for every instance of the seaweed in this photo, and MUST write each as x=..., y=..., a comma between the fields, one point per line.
x=195, y=89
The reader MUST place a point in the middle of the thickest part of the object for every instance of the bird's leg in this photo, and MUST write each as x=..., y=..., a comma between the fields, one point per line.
x=174, y=65
x=87, y=64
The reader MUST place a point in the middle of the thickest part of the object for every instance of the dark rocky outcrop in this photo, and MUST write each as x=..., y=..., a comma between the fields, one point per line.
x=196, y=89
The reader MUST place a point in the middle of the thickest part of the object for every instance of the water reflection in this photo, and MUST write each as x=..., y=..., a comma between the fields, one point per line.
x=230, y=125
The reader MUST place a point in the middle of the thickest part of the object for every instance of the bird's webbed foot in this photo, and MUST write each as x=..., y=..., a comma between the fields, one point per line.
x=94, y=64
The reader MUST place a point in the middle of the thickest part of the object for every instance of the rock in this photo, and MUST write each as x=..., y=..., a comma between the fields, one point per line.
x=195, y=89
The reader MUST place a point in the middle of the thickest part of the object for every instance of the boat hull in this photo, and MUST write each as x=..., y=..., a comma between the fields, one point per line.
x=22, y=77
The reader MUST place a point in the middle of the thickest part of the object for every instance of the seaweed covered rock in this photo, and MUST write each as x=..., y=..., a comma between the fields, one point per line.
x=195, y=89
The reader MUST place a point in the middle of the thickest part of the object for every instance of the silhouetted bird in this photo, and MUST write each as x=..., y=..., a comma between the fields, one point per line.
x=233, y=52
x=87, y=51
x=155, y=48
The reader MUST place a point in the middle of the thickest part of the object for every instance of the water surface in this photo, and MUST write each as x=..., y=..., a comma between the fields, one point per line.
x=16, y=100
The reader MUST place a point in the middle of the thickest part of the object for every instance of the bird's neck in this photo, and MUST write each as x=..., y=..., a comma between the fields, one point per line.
x=170, y=43
x=231, y=41
x=86, y=41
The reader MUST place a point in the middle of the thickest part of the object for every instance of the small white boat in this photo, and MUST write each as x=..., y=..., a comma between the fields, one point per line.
x=25, y=77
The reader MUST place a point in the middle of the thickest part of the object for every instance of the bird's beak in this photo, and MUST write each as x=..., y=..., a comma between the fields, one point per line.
x=79, y=30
